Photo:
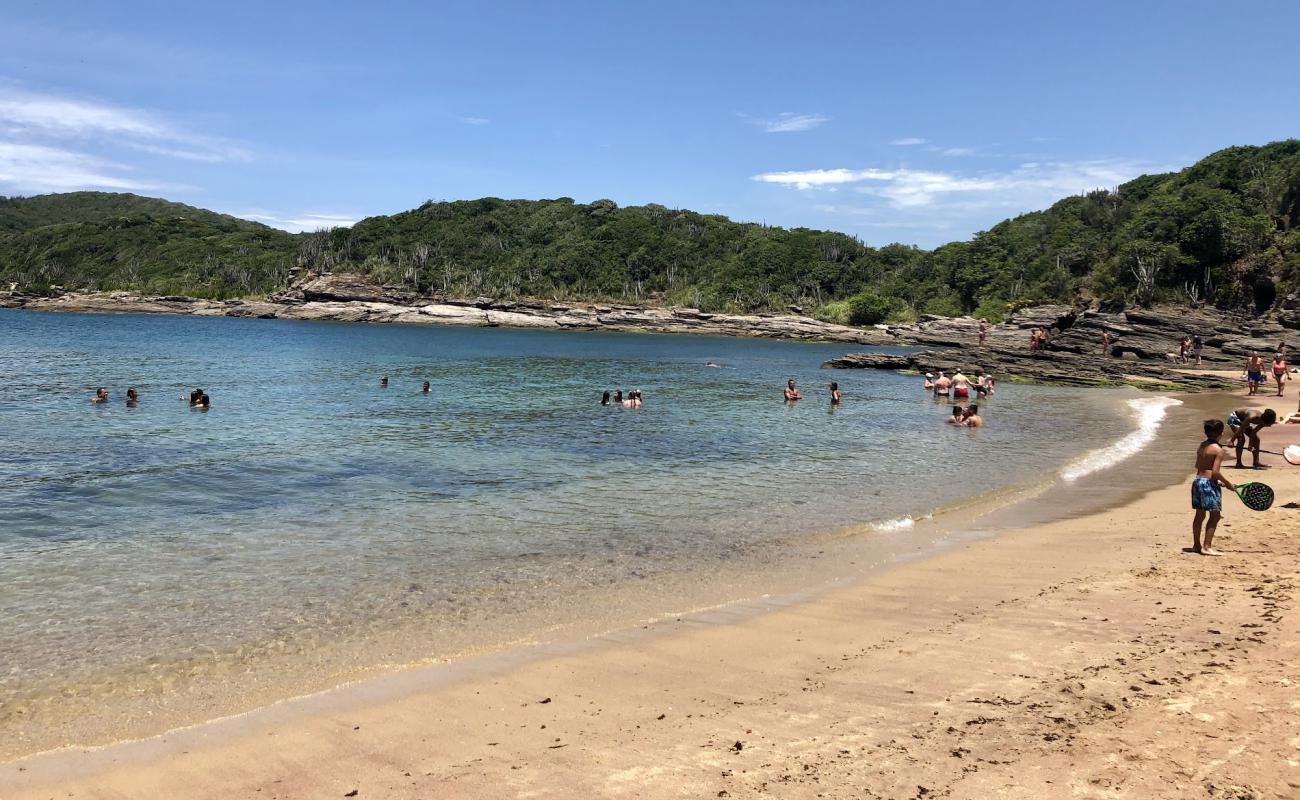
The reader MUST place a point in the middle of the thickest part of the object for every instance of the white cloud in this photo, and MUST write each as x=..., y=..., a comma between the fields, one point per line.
x=911, y=188
x=300, y=222
x=790, y=122
x=908, y=141
x=957, y=151
x=38, y=118
x=39, y=168
x=474, y=120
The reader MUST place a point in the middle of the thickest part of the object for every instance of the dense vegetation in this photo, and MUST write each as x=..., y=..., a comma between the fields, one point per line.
x=1225, y=231
x=95, y=240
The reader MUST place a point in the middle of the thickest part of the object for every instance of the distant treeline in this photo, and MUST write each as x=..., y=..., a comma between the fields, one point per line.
x=1225, y=231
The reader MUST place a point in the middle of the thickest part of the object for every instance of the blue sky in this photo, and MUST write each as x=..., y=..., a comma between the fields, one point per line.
x=919, y=123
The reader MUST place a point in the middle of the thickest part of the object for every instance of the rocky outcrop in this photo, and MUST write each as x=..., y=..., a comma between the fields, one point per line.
x=1059, y=367
x=349, y=299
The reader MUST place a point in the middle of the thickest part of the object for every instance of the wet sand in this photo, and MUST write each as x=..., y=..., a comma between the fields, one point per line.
x=1089, y=657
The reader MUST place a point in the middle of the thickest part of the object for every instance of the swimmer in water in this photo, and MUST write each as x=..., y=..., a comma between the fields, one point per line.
x=835, y=393
x=203, y=403
x=618, y=397
x=958, y=416
x=194, y=396
x=972, y=418
x=425, y=390
x=713, y=365
x=383, y=382
x=604, y=399
x=101, y=396
x=132, y=398
x=791, y=393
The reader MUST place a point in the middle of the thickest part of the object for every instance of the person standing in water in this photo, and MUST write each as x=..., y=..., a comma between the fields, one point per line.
x=835, y=393
x=971, y=418
x=942, y=384
x=101, y=396
x=791, y=393
x=383, y=382
x=960, y=385
x=929, y=382
x=958, y=416
x=604, y=399
x=425, y=390
x=132, y=398
x=1207, y=499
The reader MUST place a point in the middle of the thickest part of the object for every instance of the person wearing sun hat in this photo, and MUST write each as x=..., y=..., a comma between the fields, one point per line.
x=929, y=381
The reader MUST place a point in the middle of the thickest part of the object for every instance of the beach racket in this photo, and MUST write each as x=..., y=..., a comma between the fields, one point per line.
x=1255, y=496
x=1291, y=453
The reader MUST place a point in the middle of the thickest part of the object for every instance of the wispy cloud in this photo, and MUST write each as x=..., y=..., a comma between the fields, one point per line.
x=790, y=122
x=297, y=223
x=909, y=188
x=39, y=168
x=786, y=121
x=908, y=141
x=473, y=120
x=31, y=116
x=956, y=151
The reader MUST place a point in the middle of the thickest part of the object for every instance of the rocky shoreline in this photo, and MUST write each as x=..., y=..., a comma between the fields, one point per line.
x=1142, y=340
x=347, y=298
x=1141, y=337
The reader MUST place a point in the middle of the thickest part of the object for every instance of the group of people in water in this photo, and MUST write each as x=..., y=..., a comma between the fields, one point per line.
x=791, y=393
x=632, y=400
x=101, y=397
x=961, y=388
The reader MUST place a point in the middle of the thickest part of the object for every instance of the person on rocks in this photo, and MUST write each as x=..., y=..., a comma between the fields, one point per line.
x=1105, y=343
x=1280, y=371
x=1207, y=498
x=984, y=332
x=971, y=417
x=132, y=398
x=835, y=393
x=1246, y=423
x=1197, y=346
x=791, y=393
x=1254, y=372
x=942, y=385
x=1184, y=344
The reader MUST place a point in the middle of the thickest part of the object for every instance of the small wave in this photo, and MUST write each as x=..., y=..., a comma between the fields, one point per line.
x=1148, y=412
x=896, y=524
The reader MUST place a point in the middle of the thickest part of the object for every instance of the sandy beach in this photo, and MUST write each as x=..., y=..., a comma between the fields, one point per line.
x=1085, y=658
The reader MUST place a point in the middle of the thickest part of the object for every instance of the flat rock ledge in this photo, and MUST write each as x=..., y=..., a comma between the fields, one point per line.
x=482, y=312
x=1050, y=367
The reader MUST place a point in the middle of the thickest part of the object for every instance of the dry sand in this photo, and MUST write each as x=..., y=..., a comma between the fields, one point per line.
x=1091, y=658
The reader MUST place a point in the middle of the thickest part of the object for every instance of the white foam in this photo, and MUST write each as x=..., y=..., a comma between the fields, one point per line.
x=896, y=524
x=1148, y=413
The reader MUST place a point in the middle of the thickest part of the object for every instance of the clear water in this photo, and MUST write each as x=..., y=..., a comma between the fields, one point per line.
x=141, y=548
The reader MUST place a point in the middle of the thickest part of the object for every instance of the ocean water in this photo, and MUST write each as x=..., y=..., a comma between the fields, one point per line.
x=144, y=550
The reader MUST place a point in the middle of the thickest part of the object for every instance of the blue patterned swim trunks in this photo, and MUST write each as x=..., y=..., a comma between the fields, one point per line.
x=1206, y=495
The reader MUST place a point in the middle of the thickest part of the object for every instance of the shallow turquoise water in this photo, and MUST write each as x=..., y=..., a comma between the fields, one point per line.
x=310, y=504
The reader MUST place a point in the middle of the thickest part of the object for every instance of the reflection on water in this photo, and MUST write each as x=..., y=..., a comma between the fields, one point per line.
x=311, y=506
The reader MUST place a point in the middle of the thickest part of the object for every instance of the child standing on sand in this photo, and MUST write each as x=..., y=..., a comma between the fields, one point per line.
x=1206, y=495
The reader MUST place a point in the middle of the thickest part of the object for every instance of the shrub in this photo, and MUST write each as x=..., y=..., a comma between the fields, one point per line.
x=944, y=306
x=869, y=308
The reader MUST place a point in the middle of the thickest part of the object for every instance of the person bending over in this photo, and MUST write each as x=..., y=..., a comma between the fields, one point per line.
x=1207, y=499
x=1246, y=423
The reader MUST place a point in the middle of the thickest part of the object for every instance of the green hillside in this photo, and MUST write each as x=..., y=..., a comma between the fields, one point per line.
x=98, y=240
x=1224, y=231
